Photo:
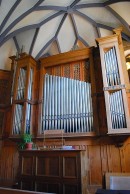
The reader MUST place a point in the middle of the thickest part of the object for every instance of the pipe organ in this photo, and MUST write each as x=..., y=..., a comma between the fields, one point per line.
x=115, y=91
x=23, y=95
x=67, y=105
x=59, y=92
x=67, y=93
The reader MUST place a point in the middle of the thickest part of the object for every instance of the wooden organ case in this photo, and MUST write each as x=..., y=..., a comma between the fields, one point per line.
x=60, y=93
x=116, y=84
x=67, y=87
x=23, y=95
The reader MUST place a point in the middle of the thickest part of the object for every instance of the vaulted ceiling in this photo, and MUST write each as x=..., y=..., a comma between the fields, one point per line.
x=47, y=27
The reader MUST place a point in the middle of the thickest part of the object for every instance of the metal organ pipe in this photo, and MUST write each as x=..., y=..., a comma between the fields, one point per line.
x=67, y=105
x=111, y=65
x=116, y=103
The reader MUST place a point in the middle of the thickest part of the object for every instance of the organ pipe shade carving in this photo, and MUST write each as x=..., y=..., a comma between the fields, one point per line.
x=67, y=105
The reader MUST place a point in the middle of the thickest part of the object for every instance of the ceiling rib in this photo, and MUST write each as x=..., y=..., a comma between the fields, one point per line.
x=44, y=47
x=50, y=18
x=74, y=25
x=60, y=25
x=9, y=14
x=34, y=40
x=58, y=45
x=83, y=41
x=33, y=26
x=19, y=19
x=74, y=3
x=114, y=1
x=85, y=17
x=16, y=44
x=12, y=34
x=87, y=5
x=118, y=17
x=51, y=7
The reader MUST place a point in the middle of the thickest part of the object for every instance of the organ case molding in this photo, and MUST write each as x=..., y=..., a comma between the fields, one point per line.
x=115, y=82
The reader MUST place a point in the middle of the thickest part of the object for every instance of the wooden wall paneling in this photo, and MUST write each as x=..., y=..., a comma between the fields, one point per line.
x=2, y=118
x=5, y=87
x=95, y=171
x=124, y=155
x=104, y=160
x=8, y=163
x=114, y=160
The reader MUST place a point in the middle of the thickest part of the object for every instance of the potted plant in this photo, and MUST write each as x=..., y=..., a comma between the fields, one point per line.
x=26, y=141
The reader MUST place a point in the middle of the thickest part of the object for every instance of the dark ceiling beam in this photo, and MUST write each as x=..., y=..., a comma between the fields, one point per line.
x=99, y=25
x=51, y=17
x=0, y=2
x=45, y=55
x=83, y=41
x=87, y=5
x=58, y=45
x=51, y=7
x=114, y=1
x=74, y=3
x=9, y=14
x=19, y=19
x=44, y=48
x=98, y=32
x=34, y=40
x=16, y=44
x=118, y=17
x=30, y=27
x=60, y=25
x=125, y=37
x=12, y=34
x=85, y=17
x=74, y=25
x=75, y=43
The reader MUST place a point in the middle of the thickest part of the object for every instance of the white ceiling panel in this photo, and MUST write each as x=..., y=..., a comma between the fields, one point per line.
x=66, y=36
x=4, y=9
x=86, y=30
x=33, y=18
x=24, y=40
x=21, y=8
x=123, y=9
x=57, y=2
x=46, y=32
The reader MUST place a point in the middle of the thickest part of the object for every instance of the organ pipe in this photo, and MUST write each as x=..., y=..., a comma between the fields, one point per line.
x=67, y=105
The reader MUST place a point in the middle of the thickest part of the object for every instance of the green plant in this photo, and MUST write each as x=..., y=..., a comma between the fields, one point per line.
x=26, y=138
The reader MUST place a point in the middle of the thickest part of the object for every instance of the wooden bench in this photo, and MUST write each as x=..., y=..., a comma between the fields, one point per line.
x=4, y=190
